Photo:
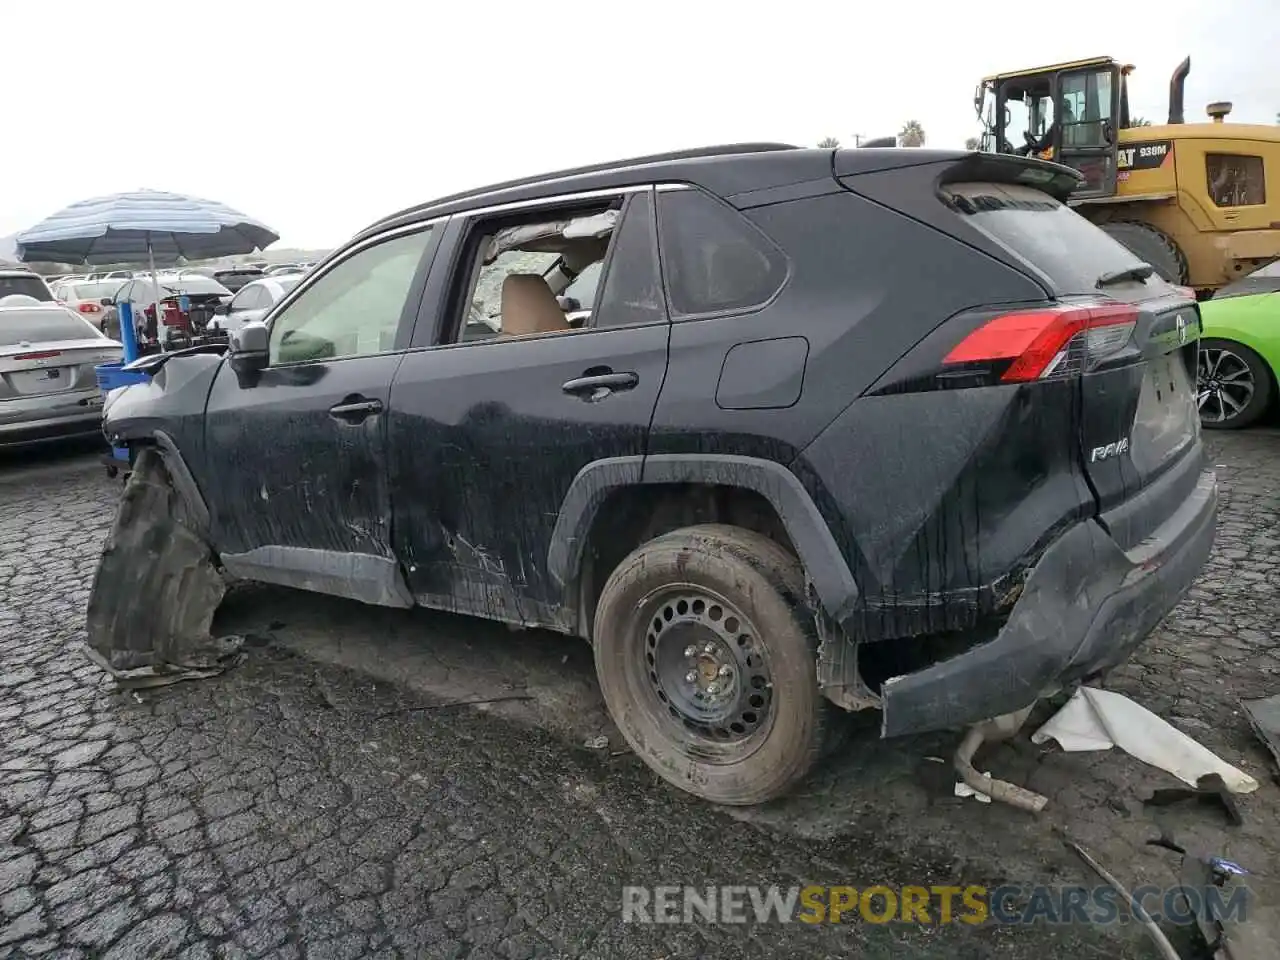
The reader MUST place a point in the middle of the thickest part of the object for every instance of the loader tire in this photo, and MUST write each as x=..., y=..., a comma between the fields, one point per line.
x=1151, y=245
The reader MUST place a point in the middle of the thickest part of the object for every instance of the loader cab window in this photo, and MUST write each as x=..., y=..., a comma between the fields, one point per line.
x=1026, y=108
x=1085, y=108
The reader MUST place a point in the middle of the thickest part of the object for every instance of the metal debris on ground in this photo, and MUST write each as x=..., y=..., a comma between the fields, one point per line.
x=1209, y=790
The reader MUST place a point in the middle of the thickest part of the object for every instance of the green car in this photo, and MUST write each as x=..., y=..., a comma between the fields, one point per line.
x=1240, y=350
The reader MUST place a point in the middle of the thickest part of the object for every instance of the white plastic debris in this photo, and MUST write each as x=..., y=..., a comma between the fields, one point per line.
x=1096, y=719
x=964, y=790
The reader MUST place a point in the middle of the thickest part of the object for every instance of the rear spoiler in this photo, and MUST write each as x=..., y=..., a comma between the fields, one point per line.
x=957, y=166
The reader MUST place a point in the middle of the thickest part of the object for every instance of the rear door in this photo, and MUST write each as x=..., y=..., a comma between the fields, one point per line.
x=488, y=429
x=1139, y=429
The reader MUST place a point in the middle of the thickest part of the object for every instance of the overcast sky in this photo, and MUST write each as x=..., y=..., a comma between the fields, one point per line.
x=318, y=118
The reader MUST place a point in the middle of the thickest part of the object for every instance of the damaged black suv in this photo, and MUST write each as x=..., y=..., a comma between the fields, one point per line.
x=777, y=430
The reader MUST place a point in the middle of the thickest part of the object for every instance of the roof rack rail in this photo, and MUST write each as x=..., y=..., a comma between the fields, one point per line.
x=694, y=153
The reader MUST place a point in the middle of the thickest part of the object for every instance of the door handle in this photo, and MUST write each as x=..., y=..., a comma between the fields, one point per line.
x=600, y=385
x=355, y=409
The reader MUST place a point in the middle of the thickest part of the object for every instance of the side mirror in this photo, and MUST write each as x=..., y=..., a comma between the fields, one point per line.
x=222, y=309
x=108, y=302
x=248, y=353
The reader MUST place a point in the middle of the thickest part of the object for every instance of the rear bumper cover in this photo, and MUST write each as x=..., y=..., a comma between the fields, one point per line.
x=1085, y=607
x=39, y=419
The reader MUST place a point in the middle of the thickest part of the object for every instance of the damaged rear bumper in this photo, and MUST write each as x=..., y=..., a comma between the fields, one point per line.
x=1085, y=607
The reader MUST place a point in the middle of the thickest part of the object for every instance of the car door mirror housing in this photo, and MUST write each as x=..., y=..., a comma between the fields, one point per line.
x=249, y=349
x=221, y=309
x=108, y=302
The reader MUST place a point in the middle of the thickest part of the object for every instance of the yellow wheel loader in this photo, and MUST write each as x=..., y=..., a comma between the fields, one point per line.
x=1200, y=202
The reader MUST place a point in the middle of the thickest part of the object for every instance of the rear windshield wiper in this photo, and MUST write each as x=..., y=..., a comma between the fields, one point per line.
x=1139, y=271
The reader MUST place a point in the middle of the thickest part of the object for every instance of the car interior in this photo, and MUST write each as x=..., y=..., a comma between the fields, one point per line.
x=524, y=275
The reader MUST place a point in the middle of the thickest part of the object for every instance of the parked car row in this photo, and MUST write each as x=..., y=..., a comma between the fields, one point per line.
x=232, y=277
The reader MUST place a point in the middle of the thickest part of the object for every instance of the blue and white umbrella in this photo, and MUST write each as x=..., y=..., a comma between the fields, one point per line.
x=147, y=224
x=141, y=224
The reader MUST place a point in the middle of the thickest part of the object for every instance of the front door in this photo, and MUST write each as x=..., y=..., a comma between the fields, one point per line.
x=1088, y=102
x=296, y=461
x=513, y=393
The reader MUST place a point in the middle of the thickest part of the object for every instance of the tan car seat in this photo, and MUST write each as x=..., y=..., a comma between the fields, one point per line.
x=529, y=307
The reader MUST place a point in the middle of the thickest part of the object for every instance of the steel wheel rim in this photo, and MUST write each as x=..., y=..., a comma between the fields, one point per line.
x=1224, y=384
x=704, y=675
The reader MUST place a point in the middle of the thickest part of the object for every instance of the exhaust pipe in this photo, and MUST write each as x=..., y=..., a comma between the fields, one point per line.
x=1176, y=84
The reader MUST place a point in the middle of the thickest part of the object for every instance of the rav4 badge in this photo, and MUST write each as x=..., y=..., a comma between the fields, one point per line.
x=1113, y=449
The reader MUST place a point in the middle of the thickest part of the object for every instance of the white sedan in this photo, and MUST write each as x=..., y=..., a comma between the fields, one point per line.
x=253, y=300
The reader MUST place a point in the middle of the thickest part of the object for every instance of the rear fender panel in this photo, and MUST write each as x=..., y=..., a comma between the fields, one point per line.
x=940, y=517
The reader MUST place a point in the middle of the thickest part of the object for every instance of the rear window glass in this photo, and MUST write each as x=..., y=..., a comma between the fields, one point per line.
x=96, y=291
x=35, y=326
x=32, y=287
x=1057, y=241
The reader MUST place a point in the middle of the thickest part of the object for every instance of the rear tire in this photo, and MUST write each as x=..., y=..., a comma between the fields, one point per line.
x=705, y=654
x=1233, y=385
x=1152, y=245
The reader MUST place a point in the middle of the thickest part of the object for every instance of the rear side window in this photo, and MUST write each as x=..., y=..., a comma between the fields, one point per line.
x=713, y=259
x=632, y=288
x=1038, y=230
x=36, y=326
x=32, y=287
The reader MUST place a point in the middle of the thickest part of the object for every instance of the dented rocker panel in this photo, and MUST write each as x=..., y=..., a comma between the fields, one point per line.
x=356, y=576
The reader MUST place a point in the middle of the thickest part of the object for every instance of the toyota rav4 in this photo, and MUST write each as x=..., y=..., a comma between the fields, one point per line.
x=840, y=429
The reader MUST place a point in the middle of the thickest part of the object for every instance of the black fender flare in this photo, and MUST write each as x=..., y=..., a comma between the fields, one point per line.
x=823, y=562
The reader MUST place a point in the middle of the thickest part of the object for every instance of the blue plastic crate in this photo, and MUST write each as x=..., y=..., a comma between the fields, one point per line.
x=112, y=376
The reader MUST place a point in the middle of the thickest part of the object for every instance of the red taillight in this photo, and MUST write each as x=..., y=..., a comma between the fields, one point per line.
x=38, y=355
x=1038, y=341
x=89, y=308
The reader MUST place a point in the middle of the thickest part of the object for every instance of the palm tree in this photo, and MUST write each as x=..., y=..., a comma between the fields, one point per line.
x=912, y=134
x=973, y=143
x=828, y=143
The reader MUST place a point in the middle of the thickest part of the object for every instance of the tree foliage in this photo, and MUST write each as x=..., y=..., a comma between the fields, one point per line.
x=973, y=143
x=828, y=143
x=911, y=134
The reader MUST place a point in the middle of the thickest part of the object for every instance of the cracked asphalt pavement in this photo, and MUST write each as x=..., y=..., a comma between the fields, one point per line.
x=323, y=799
